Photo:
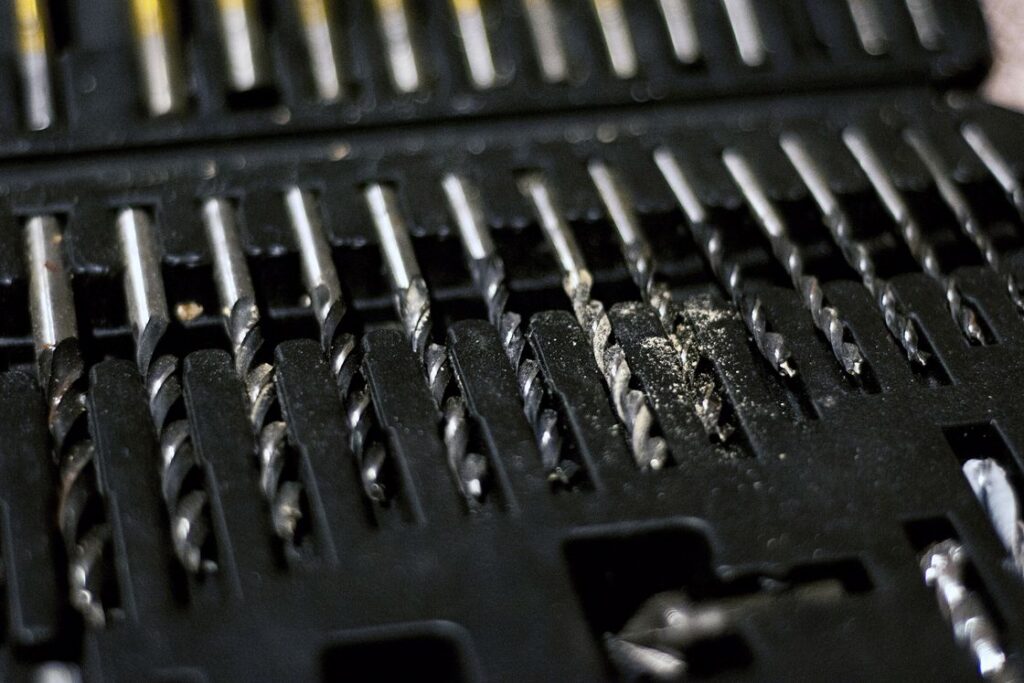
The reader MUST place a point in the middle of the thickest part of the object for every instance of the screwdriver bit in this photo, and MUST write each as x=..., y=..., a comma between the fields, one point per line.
x=682, y=30
x=710, y=240
x=412, y=302
x=545, y=29
x=34, y=49
x=244, y=45
x=322, y=49
x=747, y=30
x=476, y=45
x=396, y=31
x=631, y=405
x=618, y=40
x=159, y=56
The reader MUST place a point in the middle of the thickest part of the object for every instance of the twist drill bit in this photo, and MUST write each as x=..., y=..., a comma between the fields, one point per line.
x=631, y=405
x=61, y=371
x=870, y=27
x=488, y=271
x=412, y=302
x=747, y=30
x=618, y=41
x=996, y=163
x=396, y=31
x=787, y=253
x=245, y=51
x=995, y=492
x=547, y=40
x=242, y=322
x=639, y=255
x=963, y=315
x=899, y=324
x=159, y=56
x=149, y=318
x=321, y=282
x=710, y=240
x=321, y=39
x=476, y=46
x=682, y=30
x=34, y=47
x=925, y=17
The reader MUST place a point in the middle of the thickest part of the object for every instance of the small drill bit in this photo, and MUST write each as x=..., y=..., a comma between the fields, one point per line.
x=321, y=39
x=149, y=317
x=244, y=44
x=488, y=271
x=682, y=30
x=996, y=163
x=34, y=47
x=710, y=240
x=991, y=485
x=618, y=41
x=545, y=29
x=639, y=255
x=747, y=30
x=159, y=56
x=927, y=25
x=396, y=31
x=476, y=46
x=412, y=302
x=787, y=253
x=963, y=315
x=857, y=255
x=870, y=27
x=631, y=405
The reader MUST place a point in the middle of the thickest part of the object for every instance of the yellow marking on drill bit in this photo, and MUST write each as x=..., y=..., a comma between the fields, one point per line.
x=31, y=19
x=150, y=17
x=312, y=11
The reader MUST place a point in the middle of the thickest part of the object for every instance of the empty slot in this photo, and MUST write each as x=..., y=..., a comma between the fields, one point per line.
x=397, y=657
x=980, y=440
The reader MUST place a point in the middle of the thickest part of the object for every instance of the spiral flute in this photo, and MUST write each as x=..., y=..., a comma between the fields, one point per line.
x=61, y=372
x=412, y=302
x=963, y=315
x=709, y=239
x=631, y=405
x=639, y=255
x=181, y=468
x=899, y=324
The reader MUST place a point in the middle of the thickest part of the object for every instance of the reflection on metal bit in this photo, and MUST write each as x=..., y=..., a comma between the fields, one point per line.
x=747, y=31
x=33, y=36
x=143, y=282
x=618, y=40
x=321, y=38
x=396, y=31
x=50, y=298
x=545, y=29
x=996, y=163
x=469, y=16
x=159, y=56
x=245, y=49
x=870, y=27
x=994, y=490
x=682, y=31
x=925, y=16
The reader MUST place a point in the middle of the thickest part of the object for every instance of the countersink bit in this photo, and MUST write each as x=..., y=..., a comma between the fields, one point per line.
x=618, y=40
x=322, y=49
x=396, y=32
x=710, y=240
x=927, y=25
x=996, y=163
x=158, y=54
x=640, y=260
x=545, y=29
x=476, y=45
x=187, y=502
x=857, y=255
x=869, y=161
x=787, y=253
x=631, y=405
x=32, y=28
x=746, y=29
x=488, y=272
x=412, y=303
x=682, y=30
x=61, y=372
x=870, y=26
x=245, y=50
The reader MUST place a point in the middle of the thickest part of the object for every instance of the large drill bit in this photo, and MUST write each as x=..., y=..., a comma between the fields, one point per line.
x=244, y=45
x=639, y=255
x=963, y=315
x=631, y=405
x=710, y=240
x=322, y=50
x=34, y=47
x=396, y=32
x=787, y=253
x=61, y=371
x=682, y=30
x=488, y=271
x=412, y=302
x=857, y=255
x=618, y=40
x=159, y=56
x=476, y=45
x=996, y=163
x=545, y=29
x=149, y=318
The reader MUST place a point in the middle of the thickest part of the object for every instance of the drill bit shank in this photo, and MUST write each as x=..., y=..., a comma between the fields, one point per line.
x=321, y=41
x=476, y=46
x=618, y=41
x=396, y=32
x=244, y=45
x=34, y=47
x=682, y=31
x=547, y=40
x=159, y=56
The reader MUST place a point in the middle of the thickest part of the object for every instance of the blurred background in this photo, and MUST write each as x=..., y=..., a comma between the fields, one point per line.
x=1005, y=86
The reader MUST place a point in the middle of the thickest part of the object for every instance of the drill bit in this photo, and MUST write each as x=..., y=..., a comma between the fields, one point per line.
x=412, y=302
x=710, y=240
x=321, y=282
x=857, y=255
x=488, y=271
x=159, y=56
x=631, y=405
x=34, y=47
x=682, y=30
x=991, y=485
x=396, y=31
x=787, y=253
x=321, y=39
x=963, y=315
x=950, y=192
x=547, y=40
x=61, y=372
x=618, y=41
x=870, y=27
x=187, y=503
x=476, y=46
x=747, y=31
x=925, y=17
x=639, y=255
x=245, y=51
x=242, y=322
x=996, y=163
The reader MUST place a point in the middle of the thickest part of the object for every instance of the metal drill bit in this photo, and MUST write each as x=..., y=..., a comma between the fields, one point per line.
x=476, y=46
x=787, y=253
x=639, y=255
x=747, y=30
x=998, y=498
x=396, y=31
x=159, y=56
x=244, y=44
x=412, y=302
x=682, y=30
x=34, y=47
x=925, y=17
x=545, y=29
x=857, y=255
x=996, y=163
x=147, y=312
x=631, y=405
x=964, y=316
x=321, y=39
x=950, y=192
x=618, y=41
x=870, y=27
x=710, y=240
